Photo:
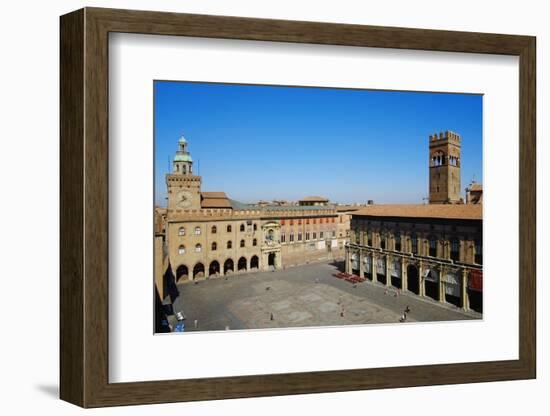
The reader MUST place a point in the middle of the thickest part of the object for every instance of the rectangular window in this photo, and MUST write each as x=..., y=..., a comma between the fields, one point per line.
x=299, y=236
x=314, y=236
x=334, y=234
x=283, y=238
x=307, y=236
x=321, y=234
x=291, y=238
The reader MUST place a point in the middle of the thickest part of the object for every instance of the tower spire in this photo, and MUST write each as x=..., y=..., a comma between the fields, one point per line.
x=183, y=163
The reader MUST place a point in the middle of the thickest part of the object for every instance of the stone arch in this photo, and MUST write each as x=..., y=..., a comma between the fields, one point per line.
x=182, y=272
x=395, y=272
x=198, y=270
x=271, y=258
x=228, y=266
x=241, y=264
x=254, y=262
x=431, y=283
x=412, y=279
x=214, y=268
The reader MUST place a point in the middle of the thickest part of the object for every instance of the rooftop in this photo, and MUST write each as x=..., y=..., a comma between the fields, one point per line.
x=215, y=200
x=444, y=211
x=314, y=199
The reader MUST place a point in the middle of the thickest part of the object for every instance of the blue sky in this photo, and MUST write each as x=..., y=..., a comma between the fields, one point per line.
x=270, y=142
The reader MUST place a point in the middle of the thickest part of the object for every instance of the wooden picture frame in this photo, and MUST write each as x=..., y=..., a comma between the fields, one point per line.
x=84, y=207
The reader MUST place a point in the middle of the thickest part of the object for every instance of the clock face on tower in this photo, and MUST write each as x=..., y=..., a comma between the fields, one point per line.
x=184, y=199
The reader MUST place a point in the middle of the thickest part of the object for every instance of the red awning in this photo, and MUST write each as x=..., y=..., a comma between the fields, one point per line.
x=475, y=282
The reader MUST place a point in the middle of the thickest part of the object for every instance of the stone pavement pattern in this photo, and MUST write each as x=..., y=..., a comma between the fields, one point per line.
x=302, y=296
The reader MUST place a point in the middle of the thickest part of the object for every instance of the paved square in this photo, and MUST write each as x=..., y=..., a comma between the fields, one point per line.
x=302, y=296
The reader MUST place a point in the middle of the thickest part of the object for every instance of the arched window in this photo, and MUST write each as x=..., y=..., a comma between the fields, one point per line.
x=181, y=231
x=197, y=230
x=254, y=242
x=198, y=248
x=414, y=244
x=214, y=246
x=455, y=249
x=242, y=227
x=242, y=243
x=214, y=229
x=181, y=249
x=255, y=226
x=228, y=228
x=397, y=239
x=478, y=252
x=433, y=247
x=383, y=241
x=369, y=238
x=229, y=244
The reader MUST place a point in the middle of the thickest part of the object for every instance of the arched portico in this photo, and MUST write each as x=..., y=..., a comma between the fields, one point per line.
x=228, y=266
x=241, y=264
x=182, y=272
x=254, y=262
x=214, y=269
x=412, y=279
x=198, y=271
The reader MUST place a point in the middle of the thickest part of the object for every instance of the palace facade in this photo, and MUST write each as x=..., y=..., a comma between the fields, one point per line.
x=432, y=250
x=207, y=234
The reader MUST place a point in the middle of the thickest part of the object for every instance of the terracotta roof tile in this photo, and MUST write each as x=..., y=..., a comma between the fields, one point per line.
x=214, y=195
x=445, y=211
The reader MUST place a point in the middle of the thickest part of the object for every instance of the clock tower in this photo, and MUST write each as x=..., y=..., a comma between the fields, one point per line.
x=184, y=188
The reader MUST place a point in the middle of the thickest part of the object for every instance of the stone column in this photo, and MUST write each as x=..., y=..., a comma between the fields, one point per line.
x=403, y=275
x=441, y=285
x=421, y=281
x=374, y=267
x=361, y=264
x=348, y=260
x=388, y=273
x=465, y=302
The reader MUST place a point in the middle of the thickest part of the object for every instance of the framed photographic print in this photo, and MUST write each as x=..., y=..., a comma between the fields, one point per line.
x=257, y=207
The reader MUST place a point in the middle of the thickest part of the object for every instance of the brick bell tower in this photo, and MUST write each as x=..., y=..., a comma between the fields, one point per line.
x=445, y=168
x=184, y=188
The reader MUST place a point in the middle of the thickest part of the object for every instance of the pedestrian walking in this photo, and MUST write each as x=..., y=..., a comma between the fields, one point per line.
x=271, y=316
x=196, y=323
x=407, y=309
